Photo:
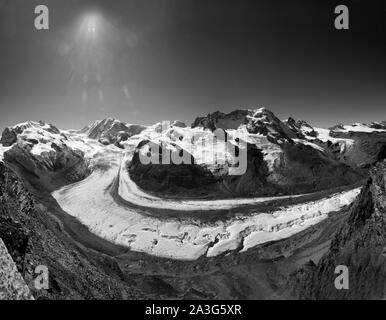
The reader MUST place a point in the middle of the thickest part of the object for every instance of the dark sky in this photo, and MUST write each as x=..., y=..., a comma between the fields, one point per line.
x=153, y=60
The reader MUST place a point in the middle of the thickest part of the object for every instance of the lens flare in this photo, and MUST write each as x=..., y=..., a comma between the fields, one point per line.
x=92, y=23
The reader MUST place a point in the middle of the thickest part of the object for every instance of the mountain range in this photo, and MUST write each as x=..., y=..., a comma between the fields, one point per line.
x=84, y=199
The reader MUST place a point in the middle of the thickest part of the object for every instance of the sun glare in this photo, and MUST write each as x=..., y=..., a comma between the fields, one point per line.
x=92, y=23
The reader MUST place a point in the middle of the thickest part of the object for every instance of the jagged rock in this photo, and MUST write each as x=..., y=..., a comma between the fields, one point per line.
x=263, y=121
x=301, y=128
x=178, y=123
x=260, y=121
x=8, y=138
x=338, y=126
x=14, y=236
x=221, y=120
x=12, y=284
x=359, y=244
x=378, y=125
x=365, y=150
x=254, y=181
x=111, y=131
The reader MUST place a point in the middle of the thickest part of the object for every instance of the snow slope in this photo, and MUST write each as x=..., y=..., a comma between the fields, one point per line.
x=358, y=127
x=2, y=151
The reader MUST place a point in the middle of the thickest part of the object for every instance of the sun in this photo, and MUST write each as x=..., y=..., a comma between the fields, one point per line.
x=92, y=22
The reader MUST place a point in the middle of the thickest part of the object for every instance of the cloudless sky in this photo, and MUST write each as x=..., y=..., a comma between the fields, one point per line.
x=143, y=61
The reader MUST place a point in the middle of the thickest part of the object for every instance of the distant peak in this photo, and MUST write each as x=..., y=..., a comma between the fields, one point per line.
x=109, y=120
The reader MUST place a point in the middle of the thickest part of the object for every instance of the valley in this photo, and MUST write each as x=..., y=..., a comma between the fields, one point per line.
x=240, y=238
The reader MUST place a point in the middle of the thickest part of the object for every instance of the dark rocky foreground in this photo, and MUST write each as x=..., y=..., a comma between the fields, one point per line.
x=360, y=244
x=35, y=237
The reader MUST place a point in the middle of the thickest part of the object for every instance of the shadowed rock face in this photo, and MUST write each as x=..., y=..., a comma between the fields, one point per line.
x=14, y=236
x=300, y=169
x=360, y=244
x=169, y=178
x=221, y=120
x=112, y=131
x=62, y=160
x=304, y=169
x=8, y=138
x=378, y=125
x=368, y=148
x=254, y=181
x=301, y=128
x=361, y=146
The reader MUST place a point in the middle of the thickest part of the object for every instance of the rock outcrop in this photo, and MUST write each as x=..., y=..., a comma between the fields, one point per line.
x=359, y=244
x=12, y=284
x=169, y=178
x=301, y=128
x=366, y=149
x=112, y=131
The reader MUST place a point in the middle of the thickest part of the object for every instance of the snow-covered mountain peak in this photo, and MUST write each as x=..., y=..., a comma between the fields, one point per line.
x=301, y=127
x=260, y=121
x=360, y=127
x=29, y=131
x=111, y=130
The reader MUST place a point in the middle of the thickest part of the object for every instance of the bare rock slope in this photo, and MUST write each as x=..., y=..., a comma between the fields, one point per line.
x=360, y=244
x=33, y=237
x=12, y=284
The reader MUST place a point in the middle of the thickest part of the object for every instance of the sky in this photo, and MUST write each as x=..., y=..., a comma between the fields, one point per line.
x=144, y=61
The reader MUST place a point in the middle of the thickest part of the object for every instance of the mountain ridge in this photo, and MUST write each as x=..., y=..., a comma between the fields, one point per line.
x=91, y=183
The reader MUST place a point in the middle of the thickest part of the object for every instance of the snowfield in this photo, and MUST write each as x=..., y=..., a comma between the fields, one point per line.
x=2, y=151
x=359, y=127
x=324, y=135
x=91, y=202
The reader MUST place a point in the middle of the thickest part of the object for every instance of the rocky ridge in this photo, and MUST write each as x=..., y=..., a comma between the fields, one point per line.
x=33, y=237
x=12, y=284
x=360, y=244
